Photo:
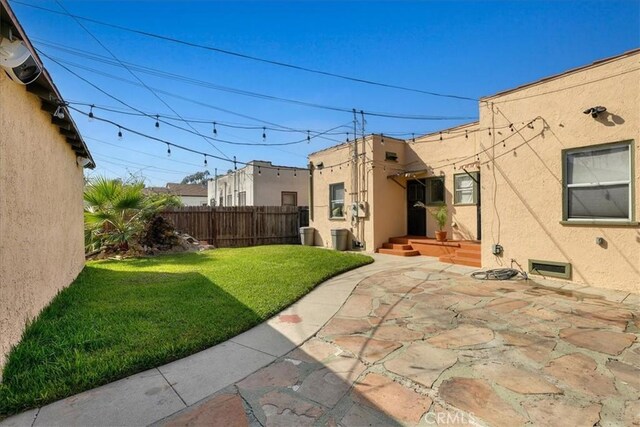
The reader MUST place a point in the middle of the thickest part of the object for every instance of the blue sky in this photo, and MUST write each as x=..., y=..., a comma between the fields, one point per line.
x=469, y=49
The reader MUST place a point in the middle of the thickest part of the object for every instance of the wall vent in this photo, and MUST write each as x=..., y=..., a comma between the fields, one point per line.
x=550, y=268
x=390, y=156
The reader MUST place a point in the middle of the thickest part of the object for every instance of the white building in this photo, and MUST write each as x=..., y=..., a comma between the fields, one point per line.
x=260, y=183
x=189, y=194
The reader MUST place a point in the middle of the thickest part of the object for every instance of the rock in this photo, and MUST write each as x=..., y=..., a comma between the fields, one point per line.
x=279, y=374
x=506, y=305
x=314, y=350
x=579, y=371
x=327, y=385
x=356, y=306
x=383, y=394
x=516, y=379
x=603, y=341
x=344, y=326
x=357, y=416
x=395, y=333
x=561, y=413
x=422, y=363
x=368, y=349
x=632, y=413
x=224, y=410
x=399, y=309
x=478, y=398
x=281, y=409
x=532, y=346
x=462, y=336
x=626, y=373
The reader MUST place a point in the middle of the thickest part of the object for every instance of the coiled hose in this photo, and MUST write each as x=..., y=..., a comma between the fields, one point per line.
x=499, y=274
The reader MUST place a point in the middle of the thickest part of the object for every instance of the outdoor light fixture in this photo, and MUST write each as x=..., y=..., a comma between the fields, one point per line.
x=83, y=161
x=595, y=111
x=16, y=60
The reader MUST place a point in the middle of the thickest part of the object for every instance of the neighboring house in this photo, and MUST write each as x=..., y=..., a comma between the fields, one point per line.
x=555, y=179
x=260, y=183
x=189, y=194
x=41, y=186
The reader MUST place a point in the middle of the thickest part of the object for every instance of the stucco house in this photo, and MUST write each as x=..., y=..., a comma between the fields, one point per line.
x=260, y=183
x=42, y=156
x=544, y=180
x=189, y=194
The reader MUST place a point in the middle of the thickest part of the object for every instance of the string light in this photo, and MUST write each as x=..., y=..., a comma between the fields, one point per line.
x=489, y=132
x=413, y=137
x=440, y=136
x=259, y=171
x=119, y=132
x=157, y=121
x=347, y=136
x=235, y=164
x=504, y=144
x=511, y=127
x=466, y=134
x=215, y=131
x=168, y=150
x=308, y=137
x=295, y=173
x=278, y=172
x=205, y=160
x=382, y=138
x=264, y=133
x=91, y=113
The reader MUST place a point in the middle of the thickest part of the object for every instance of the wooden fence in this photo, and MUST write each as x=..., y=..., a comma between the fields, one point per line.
x=226, y=227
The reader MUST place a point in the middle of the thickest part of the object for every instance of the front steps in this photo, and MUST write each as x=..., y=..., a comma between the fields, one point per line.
x=452, y=252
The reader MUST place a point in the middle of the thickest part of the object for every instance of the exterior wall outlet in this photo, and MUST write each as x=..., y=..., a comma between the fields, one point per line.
x=497, y=249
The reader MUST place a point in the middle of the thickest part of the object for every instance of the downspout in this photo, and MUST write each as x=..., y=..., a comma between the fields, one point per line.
x=311, y=191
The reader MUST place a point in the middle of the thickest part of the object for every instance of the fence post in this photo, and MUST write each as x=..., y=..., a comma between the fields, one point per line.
x=254, y=220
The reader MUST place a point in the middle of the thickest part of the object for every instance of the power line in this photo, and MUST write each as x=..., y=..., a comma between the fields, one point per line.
x=132, y=73
x=251, y=57
x=325, y=107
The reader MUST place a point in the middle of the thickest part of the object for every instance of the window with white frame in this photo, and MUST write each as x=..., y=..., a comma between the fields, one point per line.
x=465, y=188
x=336, y=200
x=598, y=183
x=242, y=198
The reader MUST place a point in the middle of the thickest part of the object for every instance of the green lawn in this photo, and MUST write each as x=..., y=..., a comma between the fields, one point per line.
x=122, y=317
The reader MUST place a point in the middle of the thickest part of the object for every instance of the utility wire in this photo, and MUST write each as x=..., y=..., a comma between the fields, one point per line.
x=251, y=57
x=337, y=109
x=132, y=73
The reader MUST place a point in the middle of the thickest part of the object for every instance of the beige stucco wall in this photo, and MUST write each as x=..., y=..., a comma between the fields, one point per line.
x=522, y=202
x=445, y=158
x=41, y=219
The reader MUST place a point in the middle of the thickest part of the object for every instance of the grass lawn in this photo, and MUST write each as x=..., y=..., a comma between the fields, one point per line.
x=122, y=317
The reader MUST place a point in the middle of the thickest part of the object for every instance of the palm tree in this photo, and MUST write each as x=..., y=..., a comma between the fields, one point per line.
x=115, y=212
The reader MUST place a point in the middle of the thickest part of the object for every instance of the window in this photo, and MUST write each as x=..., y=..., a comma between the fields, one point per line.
x=434, y=190
x=390, y=156
x=336, y=200
x=289, y=198
x=221, y=201
x=597, y=183
x=465, y=188
x=242, y=198
x=229, y=200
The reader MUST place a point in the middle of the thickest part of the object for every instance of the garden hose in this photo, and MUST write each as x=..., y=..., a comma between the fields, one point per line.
x=498, y=274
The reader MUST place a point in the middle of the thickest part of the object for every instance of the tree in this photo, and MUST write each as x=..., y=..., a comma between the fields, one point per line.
x=196, y=178
x=115, y=212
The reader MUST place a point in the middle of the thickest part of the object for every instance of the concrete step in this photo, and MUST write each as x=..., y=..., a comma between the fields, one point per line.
x=399, y=240
x=398, y=252
x=398, y=246
x=470, y=247
x=452, y=259
x=468, y=253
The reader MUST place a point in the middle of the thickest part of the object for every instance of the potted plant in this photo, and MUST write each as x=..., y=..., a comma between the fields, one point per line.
x=440, y=215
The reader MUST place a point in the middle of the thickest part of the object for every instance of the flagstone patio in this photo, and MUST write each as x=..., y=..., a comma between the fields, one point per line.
x=418, y=346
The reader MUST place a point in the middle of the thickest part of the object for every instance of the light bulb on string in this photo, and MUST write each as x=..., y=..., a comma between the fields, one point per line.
x=215, y=131
x=205, y=160
x=295, y=172
x=168, y=150
x=308, y=137
x=413, y=137
x=119, y=132
x=504, y=144
x=157, y=121
x=91, y=113
x=511, y=127
x=382, y=138
x=259, y=171
x=278, y=174
x=440, y=136
x=489, y=132
x=264, y=133
x=347, y=136
x=466, y=134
